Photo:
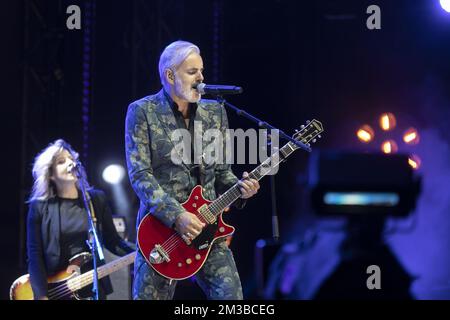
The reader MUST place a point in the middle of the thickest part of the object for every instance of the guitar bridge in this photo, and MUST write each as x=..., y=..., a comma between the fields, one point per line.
x=158, y=255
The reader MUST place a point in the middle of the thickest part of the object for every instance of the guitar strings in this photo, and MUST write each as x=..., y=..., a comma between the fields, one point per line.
x=173, y=241
x=59, y=292
x=64, y=290
x=169, y=247
x=79, y=282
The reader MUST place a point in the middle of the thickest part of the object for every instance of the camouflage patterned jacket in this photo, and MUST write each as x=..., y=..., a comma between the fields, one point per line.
x=160, y=184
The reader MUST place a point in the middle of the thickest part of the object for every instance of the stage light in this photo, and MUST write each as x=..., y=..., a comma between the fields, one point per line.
x=113, y=174
x=389, y=147
x=366, y=184
x=365, y=134
x=387, y=121
x=411, y=136
x=445, y=4
x=414, y=161
x=388, y=199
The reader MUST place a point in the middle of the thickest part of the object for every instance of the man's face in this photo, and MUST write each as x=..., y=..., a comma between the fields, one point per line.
x=187, y=74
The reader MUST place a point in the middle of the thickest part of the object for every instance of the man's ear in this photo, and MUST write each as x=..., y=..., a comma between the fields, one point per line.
x=170, y=76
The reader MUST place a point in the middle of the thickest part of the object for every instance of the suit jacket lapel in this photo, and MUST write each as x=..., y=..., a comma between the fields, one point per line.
x=167, y=119
x=203, y=120
x=54, y=232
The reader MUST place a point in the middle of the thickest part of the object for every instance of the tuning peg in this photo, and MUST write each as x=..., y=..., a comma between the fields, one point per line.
x=302, y=126
x=314, y=141
x=297, y=131
x=307, y=121
x=319, y=136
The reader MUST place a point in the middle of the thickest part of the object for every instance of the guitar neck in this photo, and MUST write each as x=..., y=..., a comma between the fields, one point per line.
x=87, y=278
x=234, y=193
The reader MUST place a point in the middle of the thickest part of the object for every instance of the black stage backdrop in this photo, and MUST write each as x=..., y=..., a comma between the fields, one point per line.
x=296, y=60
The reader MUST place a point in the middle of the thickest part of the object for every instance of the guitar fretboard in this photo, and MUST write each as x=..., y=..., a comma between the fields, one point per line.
x=234, y=193
x=305, y=135
x=87, y=278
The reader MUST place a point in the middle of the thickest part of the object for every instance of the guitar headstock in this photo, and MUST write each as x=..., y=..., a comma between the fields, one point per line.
x=309, y=133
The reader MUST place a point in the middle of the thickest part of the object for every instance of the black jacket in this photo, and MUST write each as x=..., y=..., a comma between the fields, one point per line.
x=43, y=239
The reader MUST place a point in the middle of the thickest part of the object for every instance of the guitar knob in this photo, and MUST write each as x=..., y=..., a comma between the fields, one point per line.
x=196, y=197
x=197, y=256
x=194, y=205
x=221, y=229
x=188, y=261
x=180, y=264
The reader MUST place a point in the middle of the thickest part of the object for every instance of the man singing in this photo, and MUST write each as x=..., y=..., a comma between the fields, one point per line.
x=162, y=184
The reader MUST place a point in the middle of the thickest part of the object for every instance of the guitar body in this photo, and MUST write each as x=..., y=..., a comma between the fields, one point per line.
x=157, y=241
x=21, y=288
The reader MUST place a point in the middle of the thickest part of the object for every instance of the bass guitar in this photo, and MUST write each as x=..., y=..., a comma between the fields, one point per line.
x=68, y=284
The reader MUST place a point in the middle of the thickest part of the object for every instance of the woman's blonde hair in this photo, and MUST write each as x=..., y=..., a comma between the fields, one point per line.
x=43, y=187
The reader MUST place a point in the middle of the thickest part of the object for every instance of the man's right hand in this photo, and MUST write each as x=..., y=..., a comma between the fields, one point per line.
x=188, y=226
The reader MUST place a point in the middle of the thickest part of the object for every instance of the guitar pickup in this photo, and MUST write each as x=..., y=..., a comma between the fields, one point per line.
x=207, y=214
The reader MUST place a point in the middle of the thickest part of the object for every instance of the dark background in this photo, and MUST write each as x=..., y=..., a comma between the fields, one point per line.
x=296, y=60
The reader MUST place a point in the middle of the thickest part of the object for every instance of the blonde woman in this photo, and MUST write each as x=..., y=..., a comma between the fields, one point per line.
x=57, y=224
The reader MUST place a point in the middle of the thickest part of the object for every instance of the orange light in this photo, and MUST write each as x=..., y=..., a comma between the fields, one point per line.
x=365, y=133
x=414, y=161
x=389, y=146
x=387, y=121
x=411, y=136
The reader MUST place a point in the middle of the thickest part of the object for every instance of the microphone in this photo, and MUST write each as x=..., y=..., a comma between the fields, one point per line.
x=217, y=90
x=75, y=168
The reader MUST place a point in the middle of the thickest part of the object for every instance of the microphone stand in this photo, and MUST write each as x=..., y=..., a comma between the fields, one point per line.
x=92, y=242
x=263, y=124
x=275, y=228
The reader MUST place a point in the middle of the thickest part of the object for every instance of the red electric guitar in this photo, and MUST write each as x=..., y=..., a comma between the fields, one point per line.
x=164, y=249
